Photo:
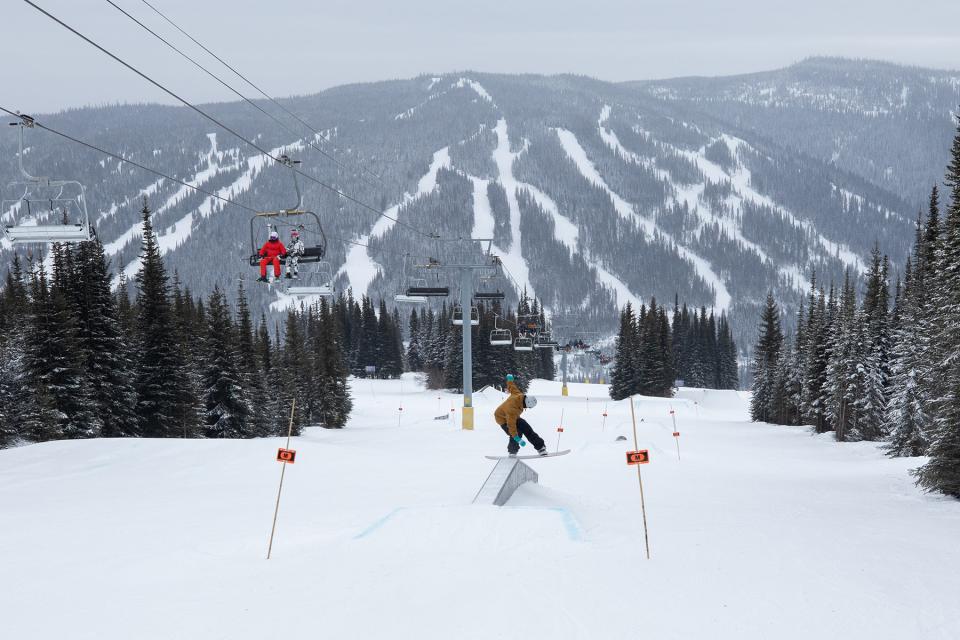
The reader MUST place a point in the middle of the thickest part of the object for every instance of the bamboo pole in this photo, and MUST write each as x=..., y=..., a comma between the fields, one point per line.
x=643, y=505
x=283, y=471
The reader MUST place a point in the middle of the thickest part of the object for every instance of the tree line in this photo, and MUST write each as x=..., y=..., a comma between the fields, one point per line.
x=435, y=346
x=78, y=360
x=654, y=351
x=877, y=369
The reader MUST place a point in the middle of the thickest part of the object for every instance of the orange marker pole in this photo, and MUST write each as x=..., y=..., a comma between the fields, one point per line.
x=283, y=470
x=603, y=426
x=643, y=505
x=559, y=430
x=676, y=434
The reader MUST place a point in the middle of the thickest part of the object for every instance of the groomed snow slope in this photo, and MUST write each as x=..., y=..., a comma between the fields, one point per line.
x=758, y=532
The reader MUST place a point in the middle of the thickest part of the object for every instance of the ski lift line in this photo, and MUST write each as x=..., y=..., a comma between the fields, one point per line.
x=121, y=158
x=161, y=174
x=225, y=84
x=209, y=117
x=250, y=82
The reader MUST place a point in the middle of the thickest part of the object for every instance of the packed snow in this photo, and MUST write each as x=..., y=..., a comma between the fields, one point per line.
x=756, y=531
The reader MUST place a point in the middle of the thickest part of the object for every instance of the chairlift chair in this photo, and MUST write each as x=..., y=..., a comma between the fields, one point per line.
x=295, y=217
x=39, y=202
x=523, y=343
x=458, y=316
x=544, y=340
x=318, y=282
x=500, y=336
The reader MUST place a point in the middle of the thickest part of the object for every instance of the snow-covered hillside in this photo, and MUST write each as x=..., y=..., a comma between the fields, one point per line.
x=756, y=531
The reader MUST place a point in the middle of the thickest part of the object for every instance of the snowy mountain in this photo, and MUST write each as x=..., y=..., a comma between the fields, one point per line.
x=713, y=190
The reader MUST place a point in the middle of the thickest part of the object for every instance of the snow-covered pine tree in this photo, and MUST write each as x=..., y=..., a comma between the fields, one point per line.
x=54, y=367
x=727, y=348
x=873, y=353
x=414, y=346
x=226, y=405
x=842, y=364
x=766, y=355
x=107, y=354
x=942, y=472
x=336, y=403
x=623, y=373
x=160, y=376
x=907, y=419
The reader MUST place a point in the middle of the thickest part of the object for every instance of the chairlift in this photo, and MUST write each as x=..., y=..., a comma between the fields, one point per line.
x=317, y=282
x=523, y=343
x=499, y=336
x=40, y=202
x=294, y=218
x=544, y=340
x=458, y=316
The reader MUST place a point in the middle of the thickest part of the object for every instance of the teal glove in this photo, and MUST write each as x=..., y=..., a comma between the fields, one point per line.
x=509, y=377
x=519, y=441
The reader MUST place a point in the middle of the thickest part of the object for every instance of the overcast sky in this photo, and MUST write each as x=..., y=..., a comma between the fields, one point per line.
x=302, y=46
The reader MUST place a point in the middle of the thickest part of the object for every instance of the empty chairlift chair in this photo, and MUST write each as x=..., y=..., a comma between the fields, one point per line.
x=43, y=209
x=523, y=343
x=317, y=282
x=544, y=340
x=458, y=316
x=499, y=336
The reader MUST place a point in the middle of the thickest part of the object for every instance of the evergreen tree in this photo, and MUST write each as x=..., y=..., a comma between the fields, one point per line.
x=226, y=406
x=623, y=375
x=414, y=346
x=766, y=356
x=159, y=371
x=109, y=369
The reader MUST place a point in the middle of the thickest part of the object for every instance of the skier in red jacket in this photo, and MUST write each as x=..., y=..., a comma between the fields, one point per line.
x=271, y=251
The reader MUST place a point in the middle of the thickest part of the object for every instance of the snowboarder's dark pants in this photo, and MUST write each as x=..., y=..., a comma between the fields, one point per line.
x=524, y=430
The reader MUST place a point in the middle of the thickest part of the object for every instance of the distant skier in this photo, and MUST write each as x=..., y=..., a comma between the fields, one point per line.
x=508, y=417
x=271, y=251
x=294, y=250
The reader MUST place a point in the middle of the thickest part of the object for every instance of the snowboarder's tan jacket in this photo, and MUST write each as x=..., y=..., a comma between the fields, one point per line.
x=510, y=409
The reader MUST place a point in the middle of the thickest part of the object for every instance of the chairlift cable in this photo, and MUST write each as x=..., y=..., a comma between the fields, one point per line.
x=249, y=82
x=157, y=172
x=229, y=87
x=209, y=117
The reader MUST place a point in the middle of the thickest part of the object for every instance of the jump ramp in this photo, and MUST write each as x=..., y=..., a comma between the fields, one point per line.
x=507, y=475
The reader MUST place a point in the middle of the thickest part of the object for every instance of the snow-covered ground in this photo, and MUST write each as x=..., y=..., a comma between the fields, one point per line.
x=756, y=532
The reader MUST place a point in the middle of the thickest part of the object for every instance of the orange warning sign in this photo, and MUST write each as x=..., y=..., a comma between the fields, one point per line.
x=559, y=429
x=638, y=457
x=286, y=455
x=676, y=434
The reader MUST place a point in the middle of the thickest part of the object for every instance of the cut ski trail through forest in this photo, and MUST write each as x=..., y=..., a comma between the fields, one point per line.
x=759, y=531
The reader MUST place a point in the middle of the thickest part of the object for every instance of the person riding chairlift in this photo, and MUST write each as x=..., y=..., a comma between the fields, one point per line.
x=294, y=251
x=271, y=251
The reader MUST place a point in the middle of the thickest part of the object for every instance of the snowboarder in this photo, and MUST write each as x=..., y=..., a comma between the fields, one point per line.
x=271, y=251
x=294, y=250
x=508, y=417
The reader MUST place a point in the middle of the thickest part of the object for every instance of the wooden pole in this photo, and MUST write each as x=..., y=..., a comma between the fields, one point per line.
x=643, y=505
x=560, y=430
x=283, y=471
x=673, y=415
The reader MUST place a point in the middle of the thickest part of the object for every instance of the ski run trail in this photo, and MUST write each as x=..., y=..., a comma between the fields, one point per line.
x=757, y=531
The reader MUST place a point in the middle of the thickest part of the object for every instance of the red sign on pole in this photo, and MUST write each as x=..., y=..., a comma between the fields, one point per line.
x=638, y=457
x=286, y=455
x=676, y=434
x=559, y=429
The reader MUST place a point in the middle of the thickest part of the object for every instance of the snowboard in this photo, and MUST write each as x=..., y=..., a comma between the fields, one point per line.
x=536, y=455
